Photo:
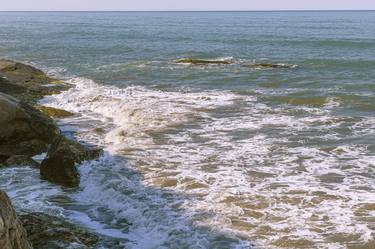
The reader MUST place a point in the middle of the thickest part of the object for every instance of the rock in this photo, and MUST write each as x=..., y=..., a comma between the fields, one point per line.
x=24, y=130
x=80, y=152
x=270, y=65
x=201, y=62
x=45, y=231
x=54, y=112
x=59, y=165
x=12, y=233
x=21, y=160
x=26, y=82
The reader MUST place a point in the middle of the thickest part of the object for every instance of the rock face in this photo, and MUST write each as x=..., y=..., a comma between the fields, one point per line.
x=26, y=82
x=24, y=130
x=47, y=232
x=12, y=233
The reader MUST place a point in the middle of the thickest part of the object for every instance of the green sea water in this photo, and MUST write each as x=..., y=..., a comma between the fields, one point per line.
x=209, y=156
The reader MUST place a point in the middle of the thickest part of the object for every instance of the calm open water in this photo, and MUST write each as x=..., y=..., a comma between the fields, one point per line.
x=209, y=156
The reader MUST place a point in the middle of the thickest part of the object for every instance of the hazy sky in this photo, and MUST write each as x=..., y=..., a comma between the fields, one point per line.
x=184, y=4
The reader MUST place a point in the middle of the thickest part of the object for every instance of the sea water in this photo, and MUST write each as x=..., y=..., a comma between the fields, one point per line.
x=209, y=156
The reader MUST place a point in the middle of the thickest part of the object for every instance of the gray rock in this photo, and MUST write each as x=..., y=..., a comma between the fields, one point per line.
x=12, y=233
x=47, y=232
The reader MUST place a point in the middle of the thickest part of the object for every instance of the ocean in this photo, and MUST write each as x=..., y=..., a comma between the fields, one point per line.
x=209, y=155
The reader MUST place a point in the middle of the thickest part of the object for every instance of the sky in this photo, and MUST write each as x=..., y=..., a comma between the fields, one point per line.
x=130, y=5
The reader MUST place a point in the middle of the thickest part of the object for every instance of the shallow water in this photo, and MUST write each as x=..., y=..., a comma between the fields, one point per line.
x=217, y=156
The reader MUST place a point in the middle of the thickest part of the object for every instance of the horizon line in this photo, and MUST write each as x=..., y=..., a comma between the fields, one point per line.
x=276, y=10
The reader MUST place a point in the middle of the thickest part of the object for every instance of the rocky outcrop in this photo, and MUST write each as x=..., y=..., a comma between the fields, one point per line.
x=45, y=231
x=12, y=233
x=202, y=61
x=60, y=164
x=24, y=130
x=26, y=82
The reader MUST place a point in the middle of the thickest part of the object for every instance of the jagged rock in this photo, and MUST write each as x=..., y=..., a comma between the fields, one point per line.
x=24, y=130
x=26, y=82
x=12, y=233
x=201, y=61
x=54, y=112
x=46, y=232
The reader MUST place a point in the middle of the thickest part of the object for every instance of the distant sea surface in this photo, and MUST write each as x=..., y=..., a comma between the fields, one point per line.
x=209, y=156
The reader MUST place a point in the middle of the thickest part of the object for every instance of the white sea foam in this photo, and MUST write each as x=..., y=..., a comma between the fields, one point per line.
x=219, y=162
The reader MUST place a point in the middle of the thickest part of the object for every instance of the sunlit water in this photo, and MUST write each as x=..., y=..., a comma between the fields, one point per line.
x=219, y=156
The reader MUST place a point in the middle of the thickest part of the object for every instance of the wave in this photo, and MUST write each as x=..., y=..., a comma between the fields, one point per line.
x=221, y=162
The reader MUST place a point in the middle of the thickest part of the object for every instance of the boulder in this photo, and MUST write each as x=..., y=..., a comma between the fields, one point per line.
x=26, y=82
x=80, y=152
x=59, y=165
x=24, y=130
x=12, y=233
x=45, y=232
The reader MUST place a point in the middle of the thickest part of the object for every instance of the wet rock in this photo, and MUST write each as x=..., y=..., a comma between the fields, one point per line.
x=59, y=165
x=26, y=82
x=46, y=232
x=54, y=112
x=80, y=152
x=202, y=62
x=270, y=65
x=21, y=160
x=12, y=233
x=24, y=130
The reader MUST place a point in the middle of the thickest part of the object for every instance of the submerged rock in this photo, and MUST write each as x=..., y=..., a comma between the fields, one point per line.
x=12, y=233
x=202, y=62
x=54, y=112
x=24, y=130
x=46, y=232
x=270, y=65
x=26, y=82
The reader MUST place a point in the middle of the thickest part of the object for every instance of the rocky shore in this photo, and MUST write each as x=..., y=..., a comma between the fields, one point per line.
x=27, y=130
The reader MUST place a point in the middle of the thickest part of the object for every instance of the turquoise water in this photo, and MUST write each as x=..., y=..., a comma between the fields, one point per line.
x=210, y=156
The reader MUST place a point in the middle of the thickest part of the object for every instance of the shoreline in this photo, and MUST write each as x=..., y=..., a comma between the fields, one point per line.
x=27, y=130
